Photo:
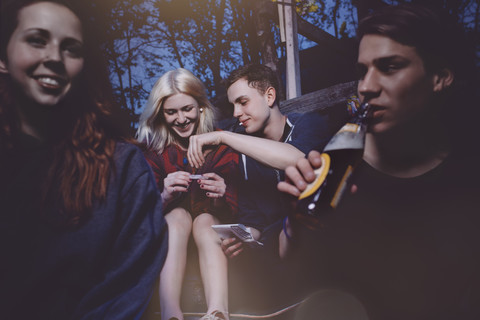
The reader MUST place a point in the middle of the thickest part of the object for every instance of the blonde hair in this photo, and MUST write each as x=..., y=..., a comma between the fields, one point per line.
x=152, y=128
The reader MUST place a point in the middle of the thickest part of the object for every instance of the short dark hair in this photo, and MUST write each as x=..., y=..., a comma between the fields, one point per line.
x=439, y=40
x=258, y=76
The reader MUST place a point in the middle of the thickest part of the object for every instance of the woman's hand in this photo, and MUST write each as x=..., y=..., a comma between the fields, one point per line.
x=174, y=184
x=213, y=184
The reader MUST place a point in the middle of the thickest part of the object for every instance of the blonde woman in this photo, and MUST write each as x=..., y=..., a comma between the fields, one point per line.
x=194, y=199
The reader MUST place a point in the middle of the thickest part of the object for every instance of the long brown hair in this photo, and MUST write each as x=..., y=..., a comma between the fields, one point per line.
x=82, y=134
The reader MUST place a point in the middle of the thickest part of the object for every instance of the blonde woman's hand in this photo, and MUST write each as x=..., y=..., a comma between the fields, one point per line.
x=174, y=184
x=213, y=184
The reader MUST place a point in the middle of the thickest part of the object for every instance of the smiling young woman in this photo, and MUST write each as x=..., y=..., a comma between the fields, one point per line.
x=177, y=109
x=69, y=187
x=43, y=59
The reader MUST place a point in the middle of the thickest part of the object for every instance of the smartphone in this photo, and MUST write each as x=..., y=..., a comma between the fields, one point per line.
x=226, y=231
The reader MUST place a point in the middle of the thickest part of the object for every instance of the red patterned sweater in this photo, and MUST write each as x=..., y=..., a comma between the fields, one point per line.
x=221, y=160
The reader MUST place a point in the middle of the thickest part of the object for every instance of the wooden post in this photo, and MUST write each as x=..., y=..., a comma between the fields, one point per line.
x=291, y=37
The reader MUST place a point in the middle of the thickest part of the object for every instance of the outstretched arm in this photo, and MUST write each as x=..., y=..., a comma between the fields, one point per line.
x=275, y=154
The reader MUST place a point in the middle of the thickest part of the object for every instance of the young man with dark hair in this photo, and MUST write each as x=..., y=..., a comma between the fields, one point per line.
x=405, y=241
x=271, y=143
x=252, y=89
x=258, y=76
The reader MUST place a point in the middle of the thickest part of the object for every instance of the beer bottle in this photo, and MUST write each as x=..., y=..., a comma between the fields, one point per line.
x=339, y=158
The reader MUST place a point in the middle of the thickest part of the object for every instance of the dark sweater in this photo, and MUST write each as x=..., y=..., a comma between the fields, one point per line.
x=103, y=269
x=408, y=248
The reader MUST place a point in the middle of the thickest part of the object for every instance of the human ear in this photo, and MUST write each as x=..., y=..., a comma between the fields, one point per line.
x=442, y=79
x=3, y=67
x=271, y=95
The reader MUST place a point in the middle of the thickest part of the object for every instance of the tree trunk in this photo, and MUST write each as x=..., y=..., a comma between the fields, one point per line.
x=129, y=73
x=219, y=47
x=173, y=43
x=334, y=18
x=264, y=12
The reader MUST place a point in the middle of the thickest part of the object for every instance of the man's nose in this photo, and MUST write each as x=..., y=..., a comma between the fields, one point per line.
x=237, y=111
x=369, y=86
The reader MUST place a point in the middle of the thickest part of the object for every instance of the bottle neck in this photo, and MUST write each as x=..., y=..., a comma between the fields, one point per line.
x=362, y=114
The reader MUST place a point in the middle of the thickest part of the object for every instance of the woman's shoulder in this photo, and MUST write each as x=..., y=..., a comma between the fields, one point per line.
x=130, y=165
x=129, y=156
x=123, y=148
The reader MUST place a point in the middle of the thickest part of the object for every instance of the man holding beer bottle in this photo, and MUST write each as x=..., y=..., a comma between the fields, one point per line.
x=404, y=240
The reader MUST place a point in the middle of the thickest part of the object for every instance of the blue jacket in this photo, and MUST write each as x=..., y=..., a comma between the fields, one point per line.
x=103, y=269
x=260, y=203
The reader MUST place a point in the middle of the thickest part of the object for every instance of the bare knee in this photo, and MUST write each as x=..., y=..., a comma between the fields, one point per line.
x=202, y=227
x=179, y=221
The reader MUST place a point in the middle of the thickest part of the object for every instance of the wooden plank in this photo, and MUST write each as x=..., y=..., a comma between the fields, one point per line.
x=321, y=99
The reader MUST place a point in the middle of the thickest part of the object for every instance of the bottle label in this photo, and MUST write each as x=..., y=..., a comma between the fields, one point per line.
x=341, y=187
x=321, y=175
x=350, y=136
x=350, y=127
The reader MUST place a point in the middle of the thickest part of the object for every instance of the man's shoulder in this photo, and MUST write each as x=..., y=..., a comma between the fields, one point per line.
x=308, y=118
x=310, y=125
x=293, y=117
x=311, y=130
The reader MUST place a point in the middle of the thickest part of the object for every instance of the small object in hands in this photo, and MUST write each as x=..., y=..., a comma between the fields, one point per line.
x=239, y=231
x=196, y=176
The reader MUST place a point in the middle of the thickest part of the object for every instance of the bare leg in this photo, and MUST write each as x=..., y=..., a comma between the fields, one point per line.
x=171, y=277
x=213, y=263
